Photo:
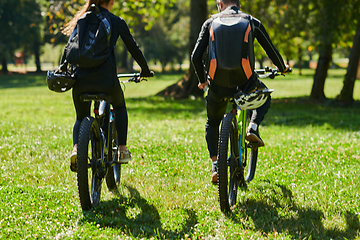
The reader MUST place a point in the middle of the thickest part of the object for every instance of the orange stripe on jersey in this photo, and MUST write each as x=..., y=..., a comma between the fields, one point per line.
x=212, y=33
x=247, y=68
x=212, y=68
x=246, y=37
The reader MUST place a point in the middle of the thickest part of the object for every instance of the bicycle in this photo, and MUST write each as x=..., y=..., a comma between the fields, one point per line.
x=97, y=149
x=233, y=155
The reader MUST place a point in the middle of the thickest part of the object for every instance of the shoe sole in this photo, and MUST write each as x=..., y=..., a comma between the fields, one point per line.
x=124, y=160
x=214, y=179
x=253, y=138
x=73, y=163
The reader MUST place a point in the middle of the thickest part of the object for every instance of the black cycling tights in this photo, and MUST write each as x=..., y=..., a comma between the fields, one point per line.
x=216, y=105
x=83, y=108
x=121, y=122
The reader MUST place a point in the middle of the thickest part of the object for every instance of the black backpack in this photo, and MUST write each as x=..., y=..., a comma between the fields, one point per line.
x=230, y=49
x=89, y=44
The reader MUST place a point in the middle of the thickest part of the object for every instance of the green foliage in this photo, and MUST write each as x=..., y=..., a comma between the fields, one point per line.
x=305, y=187
x=135, y=12
x=20, y=22
x=57, y=14
x=294, y=25
x=138, y=12
x=167, y=40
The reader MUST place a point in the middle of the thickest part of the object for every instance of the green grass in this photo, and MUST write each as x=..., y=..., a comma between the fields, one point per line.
x=306, y=184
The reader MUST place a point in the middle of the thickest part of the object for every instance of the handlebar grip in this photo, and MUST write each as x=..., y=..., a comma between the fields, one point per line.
x=129, y=75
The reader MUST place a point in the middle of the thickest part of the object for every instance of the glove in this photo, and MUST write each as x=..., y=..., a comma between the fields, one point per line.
x=146, y=73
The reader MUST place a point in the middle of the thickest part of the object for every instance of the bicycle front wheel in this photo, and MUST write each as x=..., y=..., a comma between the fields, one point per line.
x=249, y=159
x=88, y=166
x=229, y=170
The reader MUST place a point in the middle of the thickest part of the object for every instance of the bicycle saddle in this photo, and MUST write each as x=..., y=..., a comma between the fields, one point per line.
x=88, y=97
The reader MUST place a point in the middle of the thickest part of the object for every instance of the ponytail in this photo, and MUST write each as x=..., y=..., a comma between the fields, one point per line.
x=69, y=27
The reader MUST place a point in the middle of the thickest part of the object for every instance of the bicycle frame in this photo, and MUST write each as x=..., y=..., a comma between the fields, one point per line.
x=241, y=118
x=102, y=113
x=104, y=116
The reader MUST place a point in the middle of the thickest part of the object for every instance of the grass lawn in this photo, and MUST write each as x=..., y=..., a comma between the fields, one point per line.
x=306, y=184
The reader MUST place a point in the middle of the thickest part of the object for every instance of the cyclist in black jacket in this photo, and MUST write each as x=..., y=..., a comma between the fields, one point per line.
x=223, y=81
x=103, y=78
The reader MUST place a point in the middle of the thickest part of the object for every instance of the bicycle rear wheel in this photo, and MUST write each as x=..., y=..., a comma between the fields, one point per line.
x=229, y=171
x=114, y=171
x=89, y=155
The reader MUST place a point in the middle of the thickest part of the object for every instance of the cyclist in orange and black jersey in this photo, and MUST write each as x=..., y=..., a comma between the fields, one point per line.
x=224, y=83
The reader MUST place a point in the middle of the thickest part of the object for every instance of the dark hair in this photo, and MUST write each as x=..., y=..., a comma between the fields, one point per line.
x=69, y=27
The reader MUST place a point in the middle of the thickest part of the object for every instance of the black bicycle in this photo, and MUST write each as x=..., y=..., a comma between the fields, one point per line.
x=97, y=149
x=237, y=157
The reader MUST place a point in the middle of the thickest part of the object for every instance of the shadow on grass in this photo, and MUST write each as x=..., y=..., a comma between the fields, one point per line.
x=33, y=79
x=298, y=112
x=301, y=112
x=18, y=80
x=299, y=222
x=134, y=216
x=153, y=107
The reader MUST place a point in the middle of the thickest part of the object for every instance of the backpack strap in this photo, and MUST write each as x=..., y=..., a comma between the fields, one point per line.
x=103, y=21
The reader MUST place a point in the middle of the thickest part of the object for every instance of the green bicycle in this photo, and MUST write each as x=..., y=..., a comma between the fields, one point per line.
x=236, y=157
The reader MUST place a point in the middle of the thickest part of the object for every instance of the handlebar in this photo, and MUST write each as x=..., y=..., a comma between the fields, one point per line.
x=133, y=77
x=271, y=73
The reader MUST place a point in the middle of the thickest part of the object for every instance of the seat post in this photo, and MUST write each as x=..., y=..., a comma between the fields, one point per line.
x=96, y=108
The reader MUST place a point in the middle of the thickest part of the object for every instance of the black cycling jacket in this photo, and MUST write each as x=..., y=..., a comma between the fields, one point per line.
x=258, y=32
x=106, y=73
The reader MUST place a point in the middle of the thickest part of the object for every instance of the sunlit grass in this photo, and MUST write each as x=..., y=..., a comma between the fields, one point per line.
x=306, y=183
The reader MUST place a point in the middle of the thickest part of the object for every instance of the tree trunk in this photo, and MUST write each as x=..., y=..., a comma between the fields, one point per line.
x=4, y=68
x=346, y=94
x=317, y=92
x=187, y=85
x=124, y=60
x=300, y=52
x=37, y=56
x=131, y=65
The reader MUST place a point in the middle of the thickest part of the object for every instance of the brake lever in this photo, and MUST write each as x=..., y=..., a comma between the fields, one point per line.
x=272, y=75
x=137, y=80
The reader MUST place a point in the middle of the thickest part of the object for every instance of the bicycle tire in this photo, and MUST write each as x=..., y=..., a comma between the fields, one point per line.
x=114, y=171
x=229, y=170
x=89, y=154
x=252, y=165
x=250, y=160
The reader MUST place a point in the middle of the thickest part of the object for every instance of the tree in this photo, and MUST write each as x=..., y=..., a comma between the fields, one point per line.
x=20, y=28
x=57, y=14
x=346, y=94
x=188, y=84
x=139, y=15
x=164, y=42
x=332, y=23
x=31, y=36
